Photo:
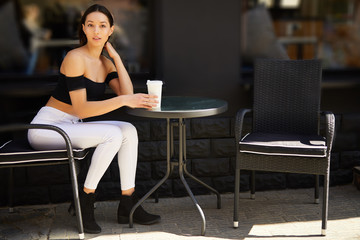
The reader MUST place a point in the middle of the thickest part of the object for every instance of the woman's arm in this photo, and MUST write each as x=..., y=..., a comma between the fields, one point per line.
x=84, y=109
x=74, y=65
x=122, y=85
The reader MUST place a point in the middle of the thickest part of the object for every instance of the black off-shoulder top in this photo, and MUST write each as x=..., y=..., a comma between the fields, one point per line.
x=94, y=90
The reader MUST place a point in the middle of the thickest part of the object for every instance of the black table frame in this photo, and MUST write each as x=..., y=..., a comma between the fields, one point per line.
x=175, y=119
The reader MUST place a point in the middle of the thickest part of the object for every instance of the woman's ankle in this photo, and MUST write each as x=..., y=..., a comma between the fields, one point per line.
x=128, y=192
x=88, y=190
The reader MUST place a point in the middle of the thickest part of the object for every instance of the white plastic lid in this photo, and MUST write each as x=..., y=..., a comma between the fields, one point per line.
x=154, y=82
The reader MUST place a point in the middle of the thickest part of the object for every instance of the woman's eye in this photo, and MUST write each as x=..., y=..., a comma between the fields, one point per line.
x=103, y=26
x=90, y=25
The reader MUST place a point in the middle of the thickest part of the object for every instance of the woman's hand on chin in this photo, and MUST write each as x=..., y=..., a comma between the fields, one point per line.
x=111, y=51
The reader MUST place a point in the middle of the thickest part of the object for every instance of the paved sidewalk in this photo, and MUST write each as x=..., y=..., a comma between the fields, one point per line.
x=285, y=214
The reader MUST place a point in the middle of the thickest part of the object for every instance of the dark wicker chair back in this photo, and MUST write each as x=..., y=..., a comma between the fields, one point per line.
x=285, y=135
x=292, y=105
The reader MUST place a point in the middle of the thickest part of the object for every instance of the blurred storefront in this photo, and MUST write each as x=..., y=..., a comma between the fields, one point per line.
x=325, y=29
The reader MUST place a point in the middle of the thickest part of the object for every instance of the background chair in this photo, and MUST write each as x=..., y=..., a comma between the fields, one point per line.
x=285, y=135
x=18, y=153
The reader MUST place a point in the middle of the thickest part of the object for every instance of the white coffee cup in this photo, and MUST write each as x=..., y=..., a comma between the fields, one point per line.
x=155, y=88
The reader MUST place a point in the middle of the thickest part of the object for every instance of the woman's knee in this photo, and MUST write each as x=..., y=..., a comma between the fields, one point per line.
x=114, y=134
x=129, y=131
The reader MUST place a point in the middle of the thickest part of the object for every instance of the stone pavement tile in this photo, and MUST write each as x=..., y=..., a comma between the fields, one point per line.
x=285, y=214
x=16, y=225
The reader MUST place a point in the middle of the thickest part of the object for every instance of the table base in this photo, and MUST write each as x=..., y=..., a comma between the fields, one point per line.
x=182, y=170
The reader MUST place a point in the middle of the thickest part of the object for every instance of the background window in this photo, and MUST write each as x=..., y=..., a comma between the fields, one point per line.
x=306, y=29
x=44, y=31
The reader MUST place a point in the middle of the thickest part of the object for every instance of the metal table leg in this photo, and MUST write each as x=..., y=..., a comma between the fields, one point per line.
x=168, y=171
x=182, y=169
x=192, y=176
x=181, y=173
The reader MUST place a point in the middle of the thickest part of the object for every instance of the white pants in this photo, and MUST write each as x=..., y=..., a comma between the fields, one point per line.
x=108, y=137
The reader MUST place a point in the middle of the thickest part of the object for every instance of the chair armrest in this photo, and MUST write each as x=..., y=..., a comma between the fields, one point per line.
x=19, y=127
x=330, y=128
x=239, y=122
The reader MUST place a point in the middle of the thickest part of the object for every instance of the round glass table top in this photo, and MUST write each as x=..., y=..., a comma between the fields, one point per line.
x=183, y=107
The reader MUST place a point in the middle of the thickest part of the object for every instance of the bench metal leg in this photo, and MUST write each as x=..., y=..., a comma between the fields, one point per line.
x=75, y=189
x=236, y=194
x=317, y=181
x=252, y=183
x=325, y=205
x=11, y=190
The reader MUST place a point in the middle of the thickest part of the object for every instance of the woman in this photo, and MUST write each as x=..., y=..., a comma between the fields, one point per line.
x=83, y=75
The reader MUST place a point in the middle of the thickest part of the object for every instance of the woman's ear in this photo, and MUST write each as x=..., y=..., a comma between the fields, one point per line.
x=83, y=28
x=111, y=30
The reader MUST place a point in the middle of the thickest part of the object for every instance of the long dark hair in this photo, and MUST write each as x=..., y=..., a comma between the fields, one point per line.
x=91, y=9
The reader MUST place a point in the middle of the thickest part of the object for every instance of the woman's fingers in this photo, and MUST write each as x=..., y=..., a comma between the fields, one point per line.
x=145, y=100
x=110, y=49
x=150, y=101
x=151, y=98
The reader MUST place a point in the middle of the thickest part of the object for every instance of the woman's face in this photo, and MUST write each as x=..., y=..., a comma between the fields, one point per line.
x=97, y=28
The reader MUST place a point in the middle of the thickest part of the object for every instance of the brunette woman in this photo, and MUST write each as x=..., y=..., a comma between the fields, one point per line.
x=84, y=74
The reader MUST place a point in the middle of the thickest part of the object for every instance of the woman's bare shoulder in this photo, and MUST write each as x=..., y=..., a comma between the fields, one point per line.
x=73, y=63
x=76, y=54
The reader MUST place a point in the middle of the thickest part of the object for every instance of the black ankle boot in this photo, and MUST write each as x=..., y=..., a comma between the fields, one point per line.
x=87, y=211
x=140, y=215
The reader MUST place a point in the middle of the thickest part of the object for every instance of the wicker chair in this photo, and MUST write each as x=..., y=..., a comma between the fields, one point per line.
x=18, y=153
x=285, y=134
